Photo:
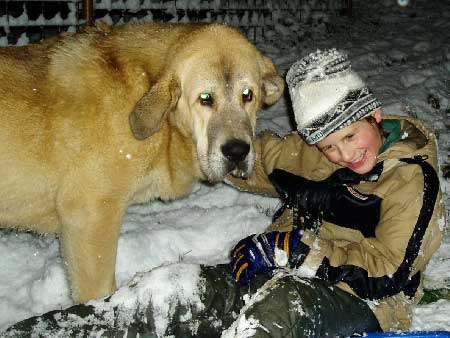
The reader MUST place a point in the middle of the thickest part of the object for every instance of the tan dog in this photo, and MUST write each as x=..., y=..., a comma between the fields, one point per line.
x=94, y=121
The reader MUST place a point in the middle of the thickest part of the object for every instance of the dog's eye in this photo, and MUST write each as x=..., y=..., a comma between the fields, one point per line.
x=247, y=95
x=206, y=99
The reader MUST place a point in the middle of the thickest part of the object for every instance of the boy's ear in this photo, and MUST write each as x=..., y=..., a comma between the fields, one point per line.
x=377, y=115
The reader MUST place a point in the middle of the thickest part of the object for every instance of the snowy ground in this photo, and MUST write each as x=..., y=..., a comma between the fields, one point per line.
x=404, y=55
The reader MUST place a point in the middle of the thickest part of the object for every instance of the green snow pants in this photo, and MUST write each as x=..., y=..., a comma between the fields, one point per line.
x=281, y=307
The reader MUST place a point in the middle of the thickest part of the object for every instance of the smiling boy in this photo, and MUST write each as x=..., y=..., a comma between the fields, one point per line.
x=362, y=206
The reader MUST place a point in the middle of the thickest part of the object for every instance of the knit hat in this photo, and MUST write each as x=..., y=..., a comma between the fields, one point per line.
x=327, y=94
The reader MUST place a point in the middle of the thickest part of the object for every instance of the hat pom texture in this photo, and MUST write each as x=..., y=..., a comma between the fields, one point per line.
x=327, y=94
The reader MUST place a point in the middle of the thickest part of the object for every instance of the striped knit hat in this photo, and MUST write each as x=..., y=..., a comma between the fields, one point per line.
x=327, y=94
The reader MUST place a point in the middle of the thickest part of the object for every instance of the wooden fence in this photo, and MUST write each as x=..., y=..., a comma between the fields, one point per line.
x=25, y=21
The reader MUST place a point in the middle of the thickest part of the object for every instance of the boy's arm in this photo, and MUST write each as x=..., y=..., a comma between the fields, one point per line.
x=268, y=147
x=386, y=262
x=390, y=261
x=289, y=153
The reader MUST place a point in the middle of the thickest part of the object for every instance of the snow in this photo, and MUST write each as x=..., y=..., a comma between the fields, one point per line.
x=403, y=55
x=165, y=285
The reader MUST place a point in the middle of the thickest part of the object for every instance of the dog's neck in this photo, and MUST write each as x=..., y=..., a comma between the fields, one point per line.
x=174, y=169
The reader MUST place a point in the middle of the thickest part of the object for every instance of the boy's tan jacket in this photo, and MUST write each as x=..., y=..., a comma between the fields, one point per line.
x=401, y=187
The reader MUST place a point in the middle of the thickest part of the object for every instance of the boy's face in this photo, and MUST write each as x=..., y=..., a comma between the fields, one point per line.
x=356, y=146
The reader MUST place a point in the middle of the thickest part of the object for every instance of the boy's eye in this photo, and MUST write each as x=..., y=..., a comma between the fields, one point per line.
x=206, y=99
x=247, y=95
x=350, y=136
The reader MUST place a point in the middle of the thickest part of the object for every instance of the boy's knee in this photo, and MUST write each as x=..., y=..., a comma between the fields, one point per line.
x=292, y=307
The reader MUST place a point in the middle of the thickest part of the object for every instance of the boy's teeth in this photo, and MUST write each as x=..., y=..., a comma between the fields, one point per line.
x=359, y=159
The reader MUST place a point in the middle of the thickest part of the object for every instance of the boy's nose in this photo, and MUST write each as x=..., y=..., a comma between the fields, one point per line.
x=346, y=154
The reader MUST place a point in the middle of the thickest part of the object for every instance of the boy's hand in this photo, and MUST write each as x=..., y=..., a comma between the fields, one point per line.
x=334, y=198
x=307, y=194
x=262, y=252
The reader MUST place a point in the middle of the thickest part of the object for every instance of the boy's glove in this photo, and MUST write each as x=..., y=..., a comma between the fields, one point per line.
x=330, y=199
x=262, y=252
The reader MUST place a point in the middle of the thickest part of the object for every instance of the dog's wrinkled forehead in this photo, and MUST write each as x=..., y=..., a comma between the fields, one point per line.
x=206, y=73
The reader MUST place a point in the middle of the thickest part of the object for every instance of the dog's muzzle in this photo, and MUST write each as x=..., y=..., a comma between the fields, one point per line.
x=236, y=152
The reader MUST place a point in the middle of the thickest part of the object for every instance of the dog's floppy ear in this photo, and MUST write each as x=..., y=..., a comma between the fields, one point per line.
x=273, y=84
x=151, y=110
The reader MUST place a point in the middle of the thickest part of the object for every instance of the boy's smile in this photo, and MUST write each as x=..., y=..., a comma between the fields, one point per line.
x=358, y=163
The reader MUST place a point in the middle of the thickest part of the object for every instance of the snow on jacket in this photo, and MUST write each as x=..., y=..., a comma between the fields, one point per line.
x=384, y=265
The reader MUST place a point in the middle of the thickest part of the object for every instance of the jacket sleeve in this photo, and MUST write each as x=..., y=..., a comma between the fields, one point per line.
x=390, y=261
x=268, y=147
x=290, y=153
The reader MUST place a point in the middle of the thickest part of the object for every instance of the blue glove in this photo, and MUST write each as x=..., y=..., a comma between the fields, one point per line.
x=261, y=253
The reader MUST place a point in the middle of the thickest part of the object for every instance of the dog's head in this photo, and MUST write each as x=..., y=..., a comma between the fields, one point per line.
x=216, y=84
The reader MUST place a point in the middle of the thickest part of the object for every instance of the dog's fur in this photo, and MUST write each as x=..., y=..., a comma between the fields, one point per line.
x=94, y=121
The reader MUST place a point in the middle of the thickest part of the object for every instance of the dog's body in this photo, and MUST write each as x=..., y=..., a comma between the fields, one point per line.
x=94, y=121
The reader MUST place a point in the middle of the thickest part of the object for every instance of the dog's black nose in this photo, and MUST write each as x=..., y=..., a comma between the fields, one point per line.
x=235, y=150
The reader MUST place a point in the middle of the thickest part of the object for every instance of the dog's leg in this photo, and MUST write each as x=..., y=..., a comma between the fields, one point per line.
x=89, y=236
